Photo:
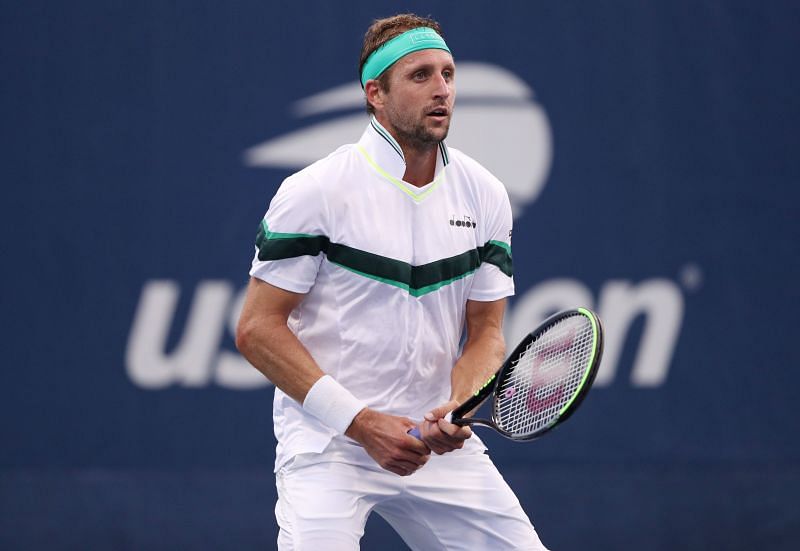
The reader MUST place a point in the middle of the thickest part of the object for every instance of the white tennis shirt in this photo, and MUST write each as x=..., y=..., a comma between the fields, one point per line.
x=388, y=268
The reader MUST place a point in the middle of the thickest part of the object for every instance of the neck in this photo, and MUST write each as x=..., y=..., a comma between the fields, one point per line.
x=420, y=164
x=419, y=155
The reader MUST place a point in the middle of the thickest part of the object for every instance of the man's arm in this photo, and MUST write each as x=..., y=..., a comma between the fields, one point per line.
x=264, y=338
x=482, y=355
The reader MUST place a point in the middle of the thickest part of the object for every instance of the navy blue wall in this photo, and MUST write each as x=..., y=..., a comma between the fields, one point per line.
x=650, y=150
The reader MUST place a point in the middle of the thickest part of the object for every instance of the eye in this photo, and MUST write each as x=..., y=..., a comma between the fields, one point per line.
x=448, y=74
x=420, y=75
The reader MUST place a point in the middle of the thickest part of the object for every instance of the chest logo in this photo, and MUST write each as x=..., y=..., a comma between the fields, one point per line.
x=463, y=221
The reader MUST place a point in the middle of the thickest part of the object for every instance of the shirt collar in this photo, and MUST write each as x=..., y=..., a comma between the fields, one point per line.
x=387, y=153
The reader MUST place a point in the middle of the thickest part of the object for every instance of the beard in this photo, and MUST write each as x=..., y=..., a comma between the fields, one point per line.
x=418, y=132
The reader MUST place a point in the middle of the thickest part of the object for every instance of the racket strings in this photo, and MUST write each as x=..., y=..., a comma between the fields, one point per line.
x=546, y=377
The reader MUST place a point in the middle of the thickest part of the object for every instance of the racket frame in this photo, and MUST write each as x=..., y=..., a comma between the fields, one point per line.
x=490, y=388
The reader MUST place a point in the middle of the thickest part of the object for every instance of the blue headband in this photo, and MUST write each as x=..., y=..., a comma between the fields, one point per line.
x=421, y=38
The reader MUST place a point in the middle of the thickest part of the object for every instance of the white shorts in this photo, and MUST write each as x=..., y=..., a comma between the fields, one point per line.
x=456, y=501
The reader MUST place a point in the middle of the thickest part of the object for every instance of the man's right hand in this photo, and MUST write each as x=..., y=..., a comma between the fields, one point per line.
x=385, y=438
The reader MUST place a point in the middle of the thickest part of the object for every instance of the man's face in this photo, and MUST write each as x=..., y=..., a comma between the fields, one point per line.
x=419, y=104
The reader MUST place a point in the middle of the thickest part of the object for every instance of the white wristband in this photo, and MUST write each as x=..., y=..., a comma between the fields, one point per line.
x=332, y=404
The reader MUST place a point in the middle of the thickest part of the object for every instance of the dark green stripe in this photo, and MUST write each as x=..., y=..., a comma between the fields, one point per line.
x=418, y=280
x=446, y=269
x=369, y=263
x=413, y=277
x=275, y=246
x=499, y=254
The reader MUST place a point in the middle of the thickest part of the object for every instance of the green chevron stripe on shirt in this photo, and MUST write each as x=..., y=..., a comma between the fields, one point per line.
x=417, y=280
x=277, y=246
x=499, y=254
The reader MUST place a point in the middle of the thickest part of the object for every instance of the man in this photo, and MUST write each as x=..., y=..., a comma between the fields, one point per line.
x=369, y=264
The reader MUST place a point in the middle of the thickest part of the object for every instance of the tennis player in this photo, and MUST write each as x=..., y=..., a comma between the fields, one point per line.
x=369, y=265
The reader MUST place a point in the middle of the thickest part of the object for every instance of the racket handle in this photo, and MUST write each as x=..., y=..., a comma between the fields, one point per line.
x=415, y=431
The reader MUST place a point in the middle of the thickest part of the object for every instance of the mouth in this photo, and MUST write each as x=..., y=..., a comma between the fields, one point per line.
x=439, y=113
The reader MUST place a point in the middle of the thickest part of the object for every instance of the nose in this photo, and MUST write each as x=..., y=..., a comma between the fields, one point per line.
x=442, y=87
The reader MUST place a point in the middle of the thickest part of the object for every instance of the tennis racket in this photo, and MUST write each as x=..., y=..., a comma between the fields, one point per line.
x=543, y=381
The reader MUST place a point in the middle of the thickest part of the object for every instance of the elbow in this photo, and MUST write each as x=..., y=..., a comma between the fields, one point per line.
x=254, y=333
x=244, y=336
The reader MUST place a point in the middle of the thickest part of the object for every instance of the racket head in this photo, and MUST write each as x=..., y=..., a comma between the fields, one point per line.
x=548, y=375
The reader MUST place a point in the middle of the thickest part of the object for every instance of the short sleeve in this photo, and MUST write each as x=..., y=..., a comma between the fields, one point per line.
x=291, y=236
x=494, y=278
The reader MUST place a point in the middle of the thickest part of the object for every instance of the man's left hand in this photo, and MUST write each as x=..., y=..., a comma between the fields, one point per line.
x=440, y=435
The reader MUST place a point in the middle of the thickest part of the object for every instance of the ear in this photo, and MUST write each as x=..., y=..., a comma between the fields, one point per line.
x=374, y=93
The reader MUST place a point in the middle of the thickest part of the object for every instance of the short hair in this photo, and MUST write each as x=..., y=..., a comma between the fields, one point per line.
x=383, y=30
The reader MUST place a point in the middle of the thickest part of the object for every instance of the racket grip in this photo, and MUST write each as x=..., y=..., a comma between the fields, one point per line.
x=415, y=431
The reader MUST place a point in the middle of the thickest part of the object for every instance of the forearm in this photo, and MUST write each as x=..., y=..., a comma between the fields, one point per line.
x=264, y=338
x=268, y=344
x=275, y=351
x=482, y=356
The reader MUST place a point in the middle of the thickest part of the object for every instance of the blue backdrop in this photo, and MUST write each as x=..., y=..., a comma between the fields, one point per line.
x=650, y=152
